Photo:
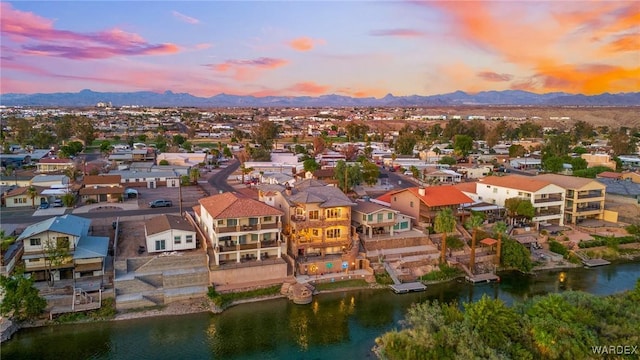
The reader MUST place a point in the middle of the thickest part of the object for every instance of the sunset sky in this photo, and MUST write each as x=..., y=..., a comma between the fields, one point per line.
x=296, y=48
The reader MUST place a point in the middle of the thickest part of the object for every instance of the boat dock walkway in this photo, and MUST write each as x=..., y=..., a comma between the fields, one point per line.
x=480, y=278
x=408, y=287
x=595, y=262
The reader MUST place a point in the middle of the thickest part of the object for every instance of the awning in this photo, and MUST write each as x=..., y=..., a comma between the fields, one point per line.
x=488, y=241
x=88, y=267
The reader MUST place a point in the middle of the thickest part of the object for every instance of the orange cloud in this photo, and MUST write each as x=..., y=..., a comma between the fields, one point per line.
x=305, y=43
x=244, y=70
x=492, y=76
x=309, y=87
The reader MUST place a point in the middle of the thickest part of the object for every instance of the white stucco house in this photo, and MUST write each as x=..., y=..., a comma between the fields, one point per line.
x=169, y=233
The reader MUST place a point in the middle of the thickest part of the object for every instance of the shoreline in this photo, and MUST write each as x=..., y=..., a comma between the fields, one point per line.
x=205, y=305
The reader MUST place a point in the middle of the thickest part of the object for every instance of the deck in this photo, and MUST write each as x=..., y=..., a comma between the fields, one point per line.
x=480, y=278
x=595, y=262
x=408, y=287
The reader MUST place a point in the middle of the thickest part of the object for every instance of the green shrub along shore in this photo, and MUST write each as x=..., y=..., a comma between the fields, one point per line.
x=569, y=325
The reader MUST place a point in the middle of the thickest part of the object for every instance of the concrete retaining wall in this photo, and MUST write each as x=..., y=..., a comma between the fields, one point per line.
x=371, y=244
x=255, y=274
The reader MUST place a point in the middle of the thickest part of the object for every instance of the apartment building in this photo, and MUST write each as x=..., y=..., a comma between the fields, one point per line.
x=584, y=198
x=546, y=198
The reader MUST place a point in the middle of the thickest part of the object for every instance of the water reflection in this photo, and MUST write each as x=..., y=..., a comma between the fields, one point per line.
x=338, y=325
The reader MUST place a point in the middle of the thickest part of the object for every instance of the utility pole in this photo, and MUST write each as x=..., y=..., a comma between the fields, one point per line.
x=180, y=195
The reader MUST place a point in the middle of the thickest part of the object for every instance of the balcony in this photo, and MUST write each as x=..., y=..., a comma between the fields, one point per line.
x=588, y=208
x=241, y=228
x=549, y=212
x=590, y=194
x=552, y=198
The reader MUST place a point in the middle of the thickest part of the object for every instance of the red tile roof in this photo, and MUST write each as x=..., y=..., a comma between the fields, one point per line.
x=441, y=196
x=387, y=196
x=518, y=182
x=609, y=175
x=229, y=206
x=469, y=187
x=55, y=161
x=101, y=179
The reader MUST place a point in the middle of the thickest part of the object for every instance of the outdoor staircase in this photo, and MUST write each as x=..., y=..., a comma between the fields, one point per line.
x=151, y=281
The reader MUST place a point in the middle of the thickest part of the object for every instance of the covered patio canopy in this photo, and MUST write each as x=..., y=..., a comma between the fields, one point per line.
x=488, y=241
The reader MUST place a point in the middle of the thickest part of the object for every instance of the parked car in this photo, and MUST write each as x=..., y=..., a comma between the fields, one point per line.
x=44, y=205
x=160, y=203
x=57, y=203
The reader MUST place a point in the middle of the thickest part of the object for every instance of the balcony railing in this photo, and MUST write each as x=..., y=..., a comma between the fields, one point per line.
x=547, y=199
x=548, y=213
x=594, y=194
x=588, y=208
x=240, y=228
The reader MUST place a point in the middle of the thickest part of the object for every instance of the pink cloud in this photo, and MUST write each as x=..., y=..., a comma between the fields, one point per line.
x=397, y=33
x=492, y=76
x=39, y=37
x=308, y=87
x=249, y=69
x=305, y=43
x=185, y=18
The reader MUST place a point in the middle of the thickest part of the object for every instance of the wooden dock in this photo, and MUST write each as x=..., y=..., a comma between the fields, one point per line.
x=481, y=278
x=408, y=287
x=595, y=262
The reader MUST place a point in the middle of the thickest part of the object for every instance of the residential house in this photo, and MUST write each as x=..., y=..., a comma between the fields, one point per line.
x=169, y=233
x=149, y=179
x=15, y=180
x=182, y=159
x=584, y=198
x=240, y=228
x=424, y=203
x=19, y=197
x=599, y=159
x=371, y=218
x=632, y=176
x=85, y=253
x=318, y=219
x=101, y=188
x=443, y=176
x=50, y=181
x=54, y=165
x=546, y=198
x=622, y=191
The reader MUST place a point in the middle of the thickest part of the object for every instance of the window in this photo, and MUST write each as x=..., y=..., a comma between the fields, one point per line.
x=253, y=221
x=495, y=190
x=333, y=233
x=395, y=199
x=334, y=213
x=314, y=215
x=389, y=216
x=177, y=239
x=364, y=217
x=35, y=242
x=267, y=237
x=62, y=242
x=411, y=204
x=232, y=222
x=189, y=239
x=242, y=239
x=315, y=232
x=370, y=217
x=380, y=217
x=220, y=222
x=160, y=245
x=254, y=237
x=267, y=219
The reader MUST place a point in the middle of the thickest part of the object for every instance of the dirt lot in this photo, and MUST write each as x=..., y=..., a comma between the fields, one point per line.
x=190, y=196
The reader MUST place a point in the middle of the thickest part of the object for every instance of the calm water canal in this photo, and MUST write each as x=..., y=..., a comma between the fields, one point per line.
x=340, y=325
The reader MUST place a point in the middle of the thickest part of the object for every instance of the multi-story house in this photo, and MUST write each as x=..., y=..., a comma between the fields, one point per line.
x=424, y=203
x=101, y=188
x=240, y=229
x=370, y=218
x=54, y=165
x=318, y=225
x=68, y=233
x=584, y=198
x=169, y=233
x=546, y=198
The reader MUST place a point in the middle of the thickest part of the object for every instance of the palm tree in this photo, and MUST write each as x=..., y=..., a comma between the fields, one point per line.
x=393, y=159
x=72, y=173
x=473, y=223
x=194, y=174
x=444, y=223
x=245, y=171
x=32, y=193
x=499, y=228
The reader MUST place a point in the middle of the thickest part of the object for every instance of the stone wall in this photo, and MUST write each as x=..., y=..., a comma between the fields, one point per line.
x=252, y=274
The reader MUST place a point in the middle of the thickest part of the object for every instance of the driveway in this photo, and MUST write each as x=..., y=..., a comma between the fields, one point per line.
x=127, y=205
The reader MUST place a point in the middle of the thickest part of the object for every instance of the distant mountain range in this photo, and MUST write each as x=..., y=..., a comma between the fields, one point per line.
x=168, y=98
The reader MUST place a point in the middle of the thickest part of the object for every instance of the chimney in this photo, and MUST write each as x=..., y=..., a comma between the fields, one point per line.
x=287, y=189
x=421, y=191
